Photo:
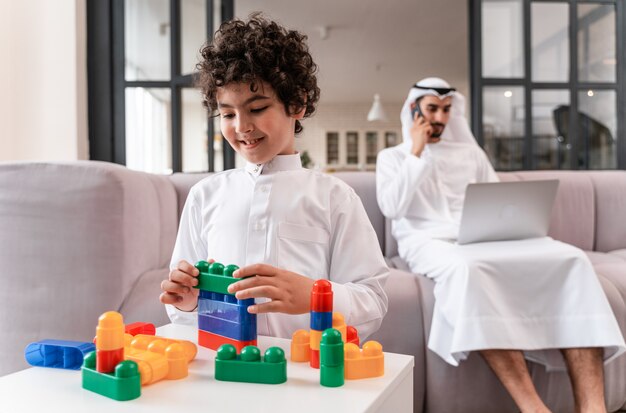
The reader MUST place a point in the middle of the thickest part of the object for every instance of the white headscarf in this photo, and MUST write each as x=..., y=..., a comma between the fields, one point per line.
x=457, y=130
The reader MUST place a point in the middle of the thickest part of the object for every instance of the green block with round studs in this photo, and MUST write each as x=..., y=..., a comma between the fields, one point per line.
x=123, y=384
x=215, y=277
x=248, y=367
x=331, y=359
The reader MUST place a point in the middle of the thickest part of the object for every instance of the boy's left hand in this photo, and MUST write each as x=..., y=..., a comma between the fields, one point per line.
x=289, y=292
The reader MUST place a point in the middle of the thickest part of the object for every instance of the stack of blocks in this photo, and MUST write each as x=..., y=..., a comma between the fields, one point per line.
x=105, y=371
x=321, y=317
x=324, y=345
x=222, y=319
x=122, y=363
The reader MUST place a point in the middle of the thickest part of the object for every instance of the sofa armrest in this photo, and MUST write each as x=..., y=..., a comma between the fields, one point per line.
x=75, y=239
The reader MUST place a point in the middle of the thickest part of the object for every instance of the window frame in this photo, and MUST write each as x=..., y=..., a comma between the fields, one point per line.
x=107, y=84
x=478, y=82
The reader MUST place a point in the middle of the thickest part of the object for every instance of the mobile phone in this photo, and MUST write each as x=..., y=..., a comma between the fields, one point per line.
x=416, y=110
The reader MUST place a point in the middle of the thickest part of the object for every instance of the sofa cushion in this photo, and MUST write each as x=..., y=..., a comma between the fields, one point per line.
x=597, y=258
x=610, y=187
x=364, y=184
x=575, y=202
x=182, y=184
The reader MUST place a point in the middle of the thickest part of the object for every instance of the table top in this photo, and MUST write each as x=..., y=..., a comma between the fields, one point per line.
x=51, y=390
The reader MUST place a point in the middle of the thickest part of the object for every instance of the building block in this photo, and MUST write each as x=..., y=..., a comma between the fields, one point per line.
x=314, y=358
x=214, y=341
x=322, y=296
x=352, y=336
x=300, y=346
x=215, y=277
x=362, y=364
x=140, y=328
x=248, y=367
x=321, y=321
x=226, y=328
x=58, y=354
x=221, y=306
x=331, y=359
x=106, y=360
x=315, y=339
x=222, y=318
x=123, y=384
x=160, y=361
x=339, y=323
x=109, y=341
x=143, y=342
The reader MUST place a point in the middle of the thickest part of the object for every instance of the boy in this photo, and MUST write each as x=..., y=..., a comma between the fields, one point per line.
x=284, y=225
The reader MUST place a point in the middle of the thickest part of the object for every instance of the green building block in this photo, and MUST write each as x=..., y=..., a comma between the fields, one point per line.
x=331, y=359
x=248, y=367
x=124, y=384
x=215, y=277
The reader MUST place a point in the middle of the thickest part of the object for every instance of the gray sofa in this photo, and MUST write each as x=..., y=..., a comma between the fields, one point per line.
x=81, y=238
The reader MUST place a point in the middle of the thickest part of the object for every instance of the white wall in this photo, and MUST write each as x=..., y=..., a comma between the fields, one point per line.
x=43, y=75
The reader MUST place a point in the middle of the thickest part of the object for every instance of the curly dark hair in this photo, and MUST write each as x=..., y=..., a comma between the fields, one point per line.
x=255, y=51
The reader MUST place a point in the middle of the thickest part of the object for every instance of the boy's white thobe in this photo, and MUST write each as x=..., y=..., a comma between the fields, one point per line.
x=293, y=218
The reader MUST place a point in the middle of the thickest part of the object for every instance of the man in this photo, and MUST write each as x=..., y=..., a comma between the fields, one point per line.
x=536, y=299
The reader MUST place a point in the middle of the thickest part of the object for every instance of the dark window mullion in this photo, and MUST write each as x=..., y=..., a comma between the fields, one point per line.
x=210, y=128
x=476, y=81
x=176, y=110
x=573, y=90
x=528, y=162
x=228, y=13
x=119, y=94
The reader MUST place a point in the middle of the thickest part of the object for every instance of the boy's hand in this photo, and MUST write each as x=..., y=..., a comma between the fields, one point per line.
x=289, y=292
x=178, y=288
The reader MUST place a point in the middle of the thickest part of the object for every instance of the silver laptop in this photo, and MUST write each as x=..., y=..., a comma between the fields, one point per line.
x=503, y=211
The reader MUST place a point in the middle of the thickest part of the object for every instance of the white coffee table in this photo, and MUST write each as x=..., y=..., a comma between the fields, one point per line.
x=53, y=390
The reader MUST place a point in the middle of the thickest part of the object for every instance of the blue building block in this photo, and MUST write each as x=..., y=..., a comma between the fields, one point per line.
x=321, y=321
x=223, y=308
x=59, y=354
x=226, y=328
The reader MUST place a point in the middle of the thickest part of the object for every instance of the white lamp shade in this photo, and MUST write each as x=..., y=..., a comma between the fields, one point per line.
x=377, y=113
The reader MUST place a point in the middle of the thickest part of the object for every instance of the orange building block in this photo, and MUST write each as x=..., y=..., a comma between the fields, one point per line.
x=109, y=341
x=300, y=346
x=362, y=364
x=315, y=338
x=159, y=358
x=339, y=323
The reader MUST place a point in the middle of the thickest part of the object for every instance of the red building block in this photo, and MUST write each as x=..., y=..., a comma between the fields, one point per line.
x=322, y=297
x=214, y=341
x=140, y=328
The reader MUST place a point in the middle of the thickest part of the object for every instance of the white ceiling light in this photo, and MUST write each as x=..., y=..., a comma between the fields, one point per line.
x=377, y=113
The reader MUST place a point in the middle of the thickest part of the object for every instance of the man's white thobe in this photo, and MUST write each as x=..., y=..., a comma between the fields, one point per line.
x=536, y=295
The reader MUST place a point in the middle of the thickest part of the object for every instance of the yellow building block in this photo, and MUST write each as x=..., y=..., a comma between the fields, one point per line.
x=339, y=323
x=300, y=346
x=362, y=364
x=315, y=339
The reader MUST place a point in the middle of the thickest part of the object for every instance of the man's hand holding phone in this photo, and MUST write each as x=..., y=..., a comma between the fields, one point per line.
x=421, y=131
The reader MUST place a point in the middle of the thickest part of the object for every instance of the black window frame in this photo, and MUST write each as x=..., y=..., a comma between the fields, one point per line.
x=107, y=84
x=478, y=82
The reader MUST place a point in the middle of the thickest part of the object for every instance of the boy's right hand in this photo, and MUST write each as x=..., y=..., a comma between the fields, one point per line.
x=178, y=288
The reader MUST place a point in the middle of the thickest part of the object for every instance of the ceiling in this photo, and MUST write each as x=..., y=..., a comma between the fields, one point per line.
x=376, y=46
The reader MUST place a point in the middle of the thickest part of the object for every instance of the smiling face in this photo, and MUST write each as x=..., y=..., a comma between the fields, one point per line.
x=256, y=124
